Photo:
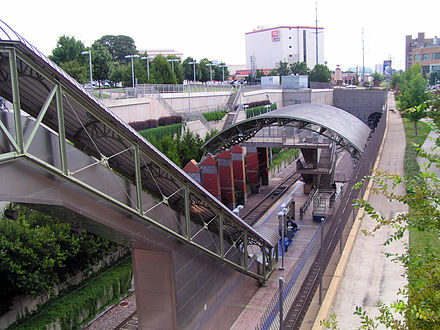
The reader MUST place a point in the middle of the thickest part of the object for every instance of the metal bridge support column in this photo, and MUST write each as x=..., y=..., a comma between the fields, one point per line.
x=226, y=177
x=238, y=170
x=155, y=289
x=210, y=177
x=263, y=165
x=252, y=165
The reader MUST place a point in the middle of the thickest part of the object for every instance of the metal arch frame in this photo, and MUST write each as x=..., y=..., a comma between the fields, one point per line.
x=247, y=129
x=18, y=149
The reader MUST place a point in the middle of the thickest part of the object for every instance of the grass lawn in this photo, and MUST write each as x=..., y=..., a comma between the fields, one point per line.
x=417, y=240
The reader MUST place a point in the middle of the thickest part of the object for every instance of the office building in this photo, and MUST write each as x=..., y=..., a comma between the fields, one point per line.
x=425, y=51
x=266, y=47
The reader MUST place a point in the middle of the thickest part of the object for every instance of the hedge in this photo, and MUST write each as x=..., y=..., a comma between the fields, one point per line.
x=255, y=111
x=216, y=115
x=152, y=123
x=72, y=309
x=159, y=132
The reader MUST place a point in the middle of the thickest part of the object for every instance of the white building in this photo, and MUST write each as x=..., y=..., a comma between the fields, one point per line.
x=267, y=47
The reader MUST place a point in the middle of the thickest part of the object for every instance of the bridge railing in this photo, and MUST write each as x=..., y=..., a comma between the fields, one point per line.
x=71, y=136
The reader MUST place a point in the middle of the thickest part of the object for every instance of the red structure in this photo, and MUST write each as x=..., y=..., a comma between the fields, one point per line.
x=193, y=170
x=263, y=165
x=238, y=169
x=224, y=160
x=252, y=165
x=210, y=177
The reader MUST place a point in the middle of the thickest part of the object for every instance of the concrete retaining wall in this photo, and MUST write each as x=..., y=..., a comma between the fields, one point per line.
x=359, y=102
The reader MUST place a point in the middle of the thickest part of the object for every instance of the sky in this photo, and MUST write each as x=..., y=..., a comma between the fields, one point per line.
x=216, y=29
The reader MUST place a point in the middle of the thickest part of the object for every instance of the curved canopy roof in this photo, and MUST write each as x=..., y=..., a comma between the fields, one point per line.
x=347, y=131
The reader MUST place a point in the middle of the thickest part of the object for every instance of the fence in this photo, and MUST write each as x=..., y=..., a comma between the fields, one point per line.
x=307, y=274
x=150, y=89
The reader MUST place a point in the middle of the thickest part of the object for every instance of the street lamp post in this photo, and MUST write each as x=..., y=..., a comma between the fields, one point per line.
x=148, y=58
x=89, y=52
x=210, y=70
x=223, y=66
x=132, y=67
x=194, y=69
x=172, y=60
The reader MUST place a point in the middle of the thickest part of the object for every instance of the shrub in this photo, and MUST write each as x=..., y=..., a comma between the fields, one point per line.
x=143, y=125
x=158, y=133
x=216, y=115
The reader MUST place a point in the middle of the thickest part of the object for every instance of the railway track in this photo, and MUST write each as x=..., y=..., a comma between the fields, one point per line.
x=130, y=323
x=254, y=213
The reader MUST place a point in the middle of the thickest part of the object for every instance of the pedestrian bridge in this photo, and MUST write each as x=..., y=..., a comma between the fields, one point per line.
x=333, y=124
x=63, y=152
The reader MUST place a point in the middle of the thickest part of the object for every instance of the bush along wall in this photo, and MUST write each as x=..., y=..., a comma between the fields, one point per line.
x=255, y=111
x=152, y=123
x=215, y=115
x=158, y=133
x=74, y=308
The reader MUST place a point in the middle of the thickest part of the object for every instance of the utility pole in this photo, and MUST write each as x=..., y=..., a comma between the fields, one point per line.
x=316, y=30
x=363, y=57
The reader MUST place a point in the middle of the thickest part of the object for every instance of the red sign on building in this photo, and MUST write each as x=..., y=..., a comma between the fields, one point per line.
x=275, y=35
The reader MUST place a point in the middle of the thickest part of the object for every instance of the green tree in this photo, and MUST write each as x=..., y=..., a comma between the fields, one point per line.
x=188, y=72
x=101, y=62
x=416, y=113
x=77, y=70
x=412, y=87
x=218, y=72
x=283, y=68
x=204, y=70
x=118, y=46
x=178, y=68
x=378, y=78
x=320, y=73
x=160, y=71
x=299, y=68
x=68, y=49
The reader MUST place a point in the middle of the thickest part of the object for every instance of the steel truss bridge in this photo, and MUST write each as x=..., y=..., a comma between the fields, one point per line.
x=60, y=146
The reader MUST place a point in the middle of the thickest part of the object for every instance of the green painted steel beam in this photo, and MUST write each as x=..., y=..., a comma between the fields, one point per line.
x=16, y=100
x=55, y=171
x=40, y=117
x=138, y=179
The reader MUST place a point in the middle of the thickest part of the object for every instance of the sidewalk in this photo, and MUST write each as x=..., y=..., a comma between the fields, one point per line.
x=370, y=277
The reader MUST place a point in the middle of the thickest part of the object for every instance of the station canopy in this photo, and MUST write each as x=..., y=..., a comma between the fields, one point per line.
x=347, y=131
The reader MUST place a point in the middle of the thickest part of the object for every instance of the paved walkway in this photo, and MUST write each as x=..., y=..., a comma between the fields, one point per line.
x=371, y=277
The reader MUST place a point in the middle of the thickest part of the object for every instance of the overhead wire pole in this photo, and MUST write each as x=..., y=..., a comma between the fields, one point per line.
x=363, y=56
x=316, y=33
x=316, y=30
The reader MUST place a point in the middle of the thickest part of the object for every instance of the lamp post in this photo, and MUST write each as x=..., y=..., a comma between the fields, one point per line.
x=194, y=69
x=148, y=58
x=210, y=70
x=281, y=218
x=172, y=60
x=89, y=52
x=132, y=67
x=223, y=66
x=281, y=215
x=236, y=211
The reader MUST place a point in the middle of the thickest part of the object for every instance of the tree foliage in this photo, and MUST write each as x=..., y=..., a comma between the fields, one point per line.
x=299, y=68
x=118, y=46
x=68, y=49
x=320, y=73
x=38, y=252
x=101, y=62
x=411, y=87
